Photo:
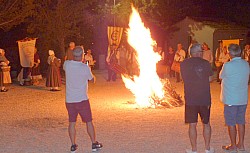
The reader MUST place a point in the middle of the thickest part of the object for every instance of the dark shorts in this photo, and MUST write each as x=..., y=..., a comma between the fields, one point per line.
x=235, y=114
x=82, y=108
x=191, y=114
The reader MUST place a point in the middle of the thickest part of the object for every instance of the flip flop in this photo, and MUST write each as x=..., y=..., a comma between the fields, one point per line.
x=229, y=149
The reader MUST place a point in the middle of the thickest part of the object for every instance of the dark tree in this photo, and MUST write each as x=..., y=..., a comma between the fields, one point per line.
x=14, y=12
x=56, y=21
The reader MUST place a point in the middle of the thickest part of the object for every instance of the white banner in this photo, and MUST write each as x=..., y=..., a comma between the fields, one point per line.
x=26, y=51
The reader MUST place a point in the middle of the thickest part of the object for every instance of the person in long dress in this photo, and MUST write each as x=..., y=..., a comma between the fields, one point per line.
x=35, y=71
x=53, y=79
x=4, y=71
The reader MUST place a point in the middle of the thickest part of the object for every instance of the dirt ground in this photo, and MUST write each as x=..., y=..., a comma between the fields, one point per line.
x=34, y=120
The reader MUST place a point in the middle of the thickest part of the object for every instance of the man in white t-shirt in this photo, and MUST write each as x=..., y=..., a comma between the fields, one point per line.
x=179, y=57
x=77, y=102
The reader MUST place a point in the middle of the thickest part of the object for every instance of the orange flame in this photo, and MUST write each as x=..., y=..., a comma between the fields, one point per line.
x=147, y=84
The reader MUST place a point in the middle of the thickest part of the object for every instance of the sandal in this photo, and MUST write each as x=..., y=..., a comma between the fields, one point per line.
x=230, y=149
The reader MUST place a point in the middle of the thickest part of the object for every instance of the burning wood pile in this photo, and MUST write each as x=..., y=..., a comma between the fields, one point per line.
x=171, y=97
x=148, y=88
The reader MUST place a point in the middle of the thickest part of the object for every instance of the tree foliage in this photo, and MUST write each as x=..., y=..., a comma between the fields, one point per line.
x=162, y=13
x=57, y=20
x=13, y=12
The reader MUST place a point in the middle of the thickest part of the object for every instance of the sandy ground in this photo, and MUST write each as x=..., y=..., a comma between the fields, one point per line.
x=34, y=120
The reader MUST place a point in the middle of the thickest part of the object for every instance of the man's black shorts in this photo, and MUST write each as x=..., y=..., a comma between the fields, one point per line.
x=192, y=111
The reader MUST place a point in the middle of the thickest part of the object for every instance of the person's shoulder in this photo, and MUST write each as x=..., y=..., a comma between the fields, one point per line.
x=244, y=62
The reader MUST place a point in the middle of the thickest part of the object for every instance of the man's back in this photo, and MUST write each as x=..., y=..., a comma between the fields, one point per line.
x=195, y=73
x=235, y=75
x=77, y=76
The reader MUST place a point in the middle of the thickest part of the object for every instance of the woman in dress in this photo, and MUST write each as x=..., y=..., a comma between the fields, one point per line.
x=35, y=71
x=4, y=71
x=53, y=79
x=207, y=53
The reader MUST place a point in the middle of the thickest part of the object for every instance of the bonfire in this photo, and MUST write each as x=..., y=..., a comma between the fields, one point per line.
x=149, y=90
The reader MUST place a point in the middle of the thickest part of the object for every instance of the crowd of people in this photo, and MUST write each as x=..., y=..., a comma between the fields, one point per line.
x=194, y=68
x=32, y=75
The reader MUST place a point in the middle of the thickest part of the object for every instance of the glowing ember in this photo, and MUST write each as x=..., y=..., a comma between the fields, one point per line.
x=148, y=89
x=147, y=84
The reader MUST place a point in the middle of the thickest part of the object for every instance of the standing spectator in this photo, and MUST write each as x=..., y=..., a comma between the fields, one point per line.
x=112, y=60
x=35, y=71
x=88, y=59
x=53, y=79
x=161, y=65
x=169, y=60
x=6, y=73
x=3, y=69
x=246, y=53
x=77, y=102
x=218, y=62
x=69, y=55
x=234, y=95
x=195, y=73
x=122, y=56
x=223, y=58
x=178, y=58
x=207, y=55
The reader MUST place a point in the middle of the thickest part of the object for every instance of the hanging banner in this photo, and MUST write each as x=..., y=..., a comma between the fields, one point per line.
x=26, y=51
x=114, y=36
x=230, y=41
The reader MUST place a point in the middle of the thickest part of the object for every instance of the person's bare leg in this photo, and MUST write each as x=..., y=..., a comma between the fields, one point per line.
x=232, y=135
x=193, y=135
x=241, y=134
x=91, y=131
x=72, y=132
x=207, y=135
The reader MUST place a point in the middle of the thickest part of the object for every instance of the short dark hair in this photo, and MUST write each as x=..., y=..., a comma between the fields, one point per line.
x=77, y=51
x=195, y=48
x=234, y=50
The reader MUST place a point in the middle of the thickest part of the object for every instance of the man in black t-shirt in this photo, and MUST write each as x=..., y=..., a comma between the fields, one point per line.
x=195, y=73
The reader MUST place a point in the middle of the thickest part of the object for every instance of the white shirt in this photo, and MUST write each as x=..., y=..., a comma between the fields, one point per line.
x=224, y=57
x=89, y=58
x=207, y=55
x=234, y=85
x=77, y=76
x=179, y=55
